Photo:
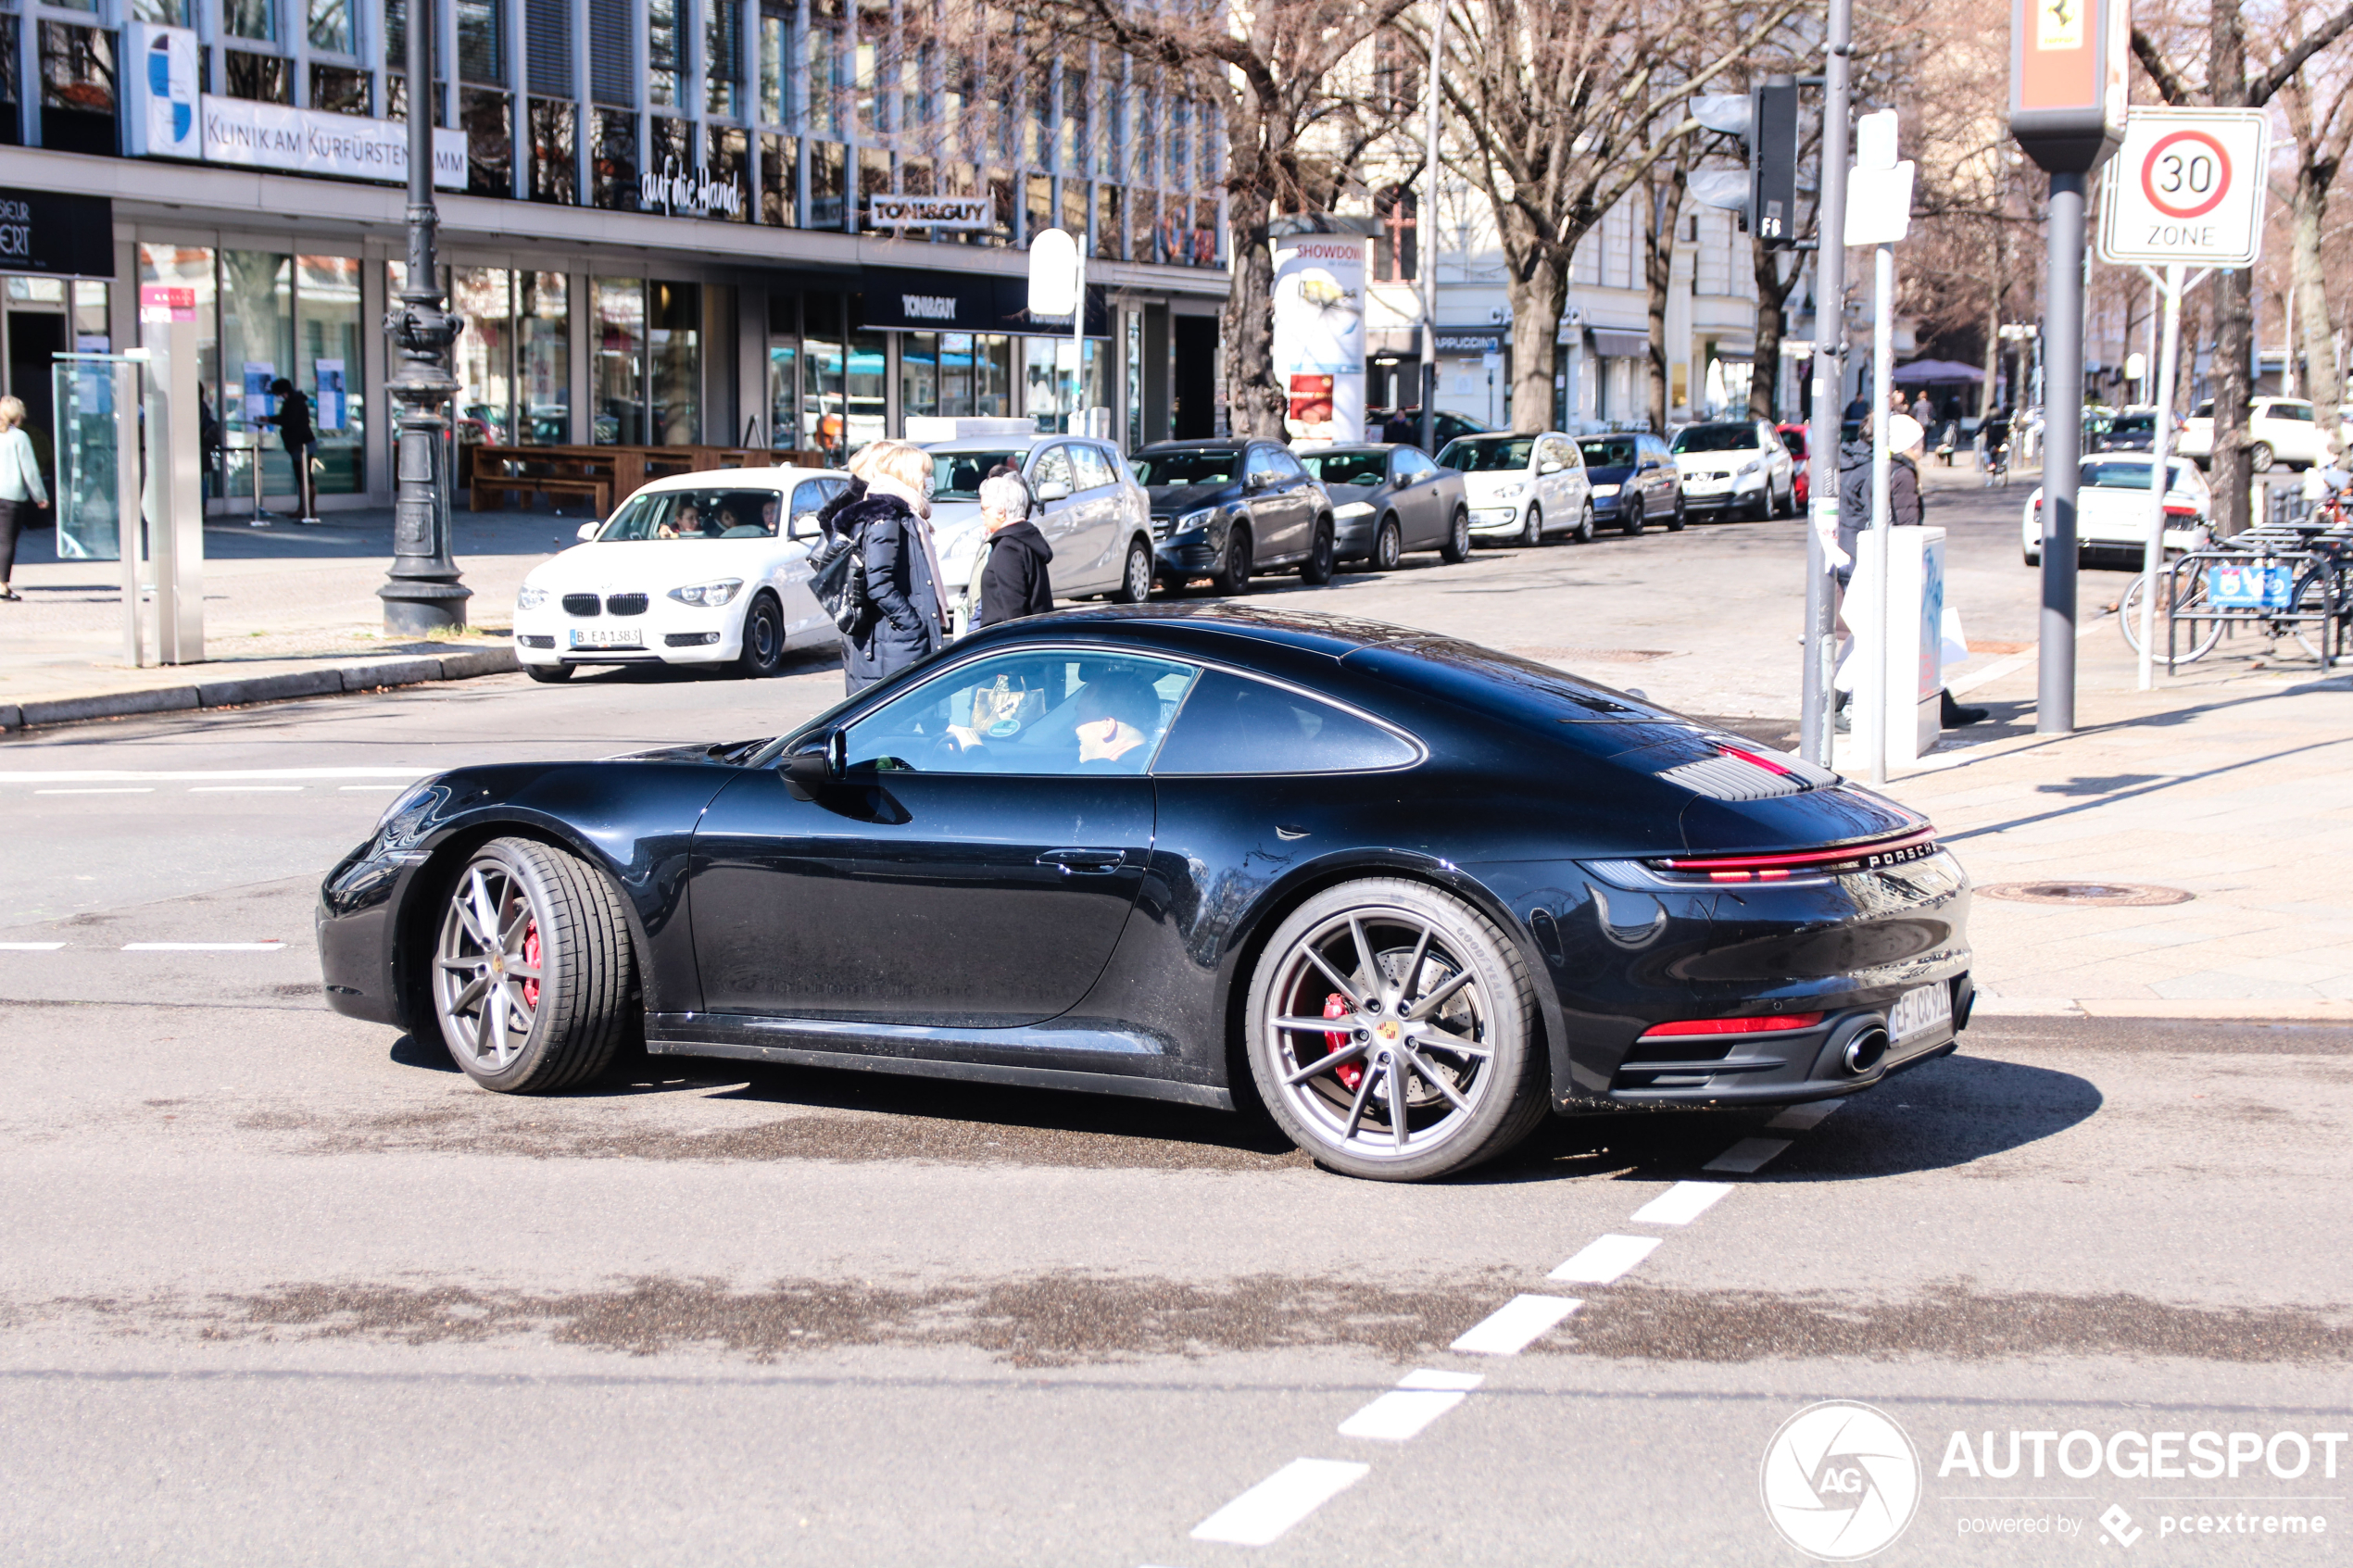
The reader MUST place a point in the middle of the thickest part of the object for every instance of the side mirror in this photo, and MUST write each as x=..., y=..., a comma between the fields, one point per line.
x=1551, y=468
x=819, y=767
x=805, y=525
x=1053, y=490
x=1254, y=480
x=587, y=530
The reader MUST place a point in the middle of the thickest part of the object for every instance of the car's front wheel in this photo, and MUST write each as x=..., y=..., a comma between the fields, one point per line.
x=1233, y=576
x=1392, y=1032
x=1136, y=579
x=763, y=651
x=534, y=978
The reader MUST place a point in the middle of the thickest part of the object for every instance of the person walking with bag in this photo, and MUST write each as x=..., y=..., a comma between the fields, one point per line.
x=20, y=488
x=293, y=419
x=893, y=616
x=1009, y=576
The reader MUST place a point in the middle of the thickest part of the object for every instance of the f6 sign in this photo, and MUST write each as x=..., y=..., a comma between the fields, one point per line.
x=2186, y=188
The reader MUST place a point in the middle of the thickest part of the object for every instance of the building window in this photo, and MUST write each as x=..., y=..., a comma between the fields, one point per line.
x=554, y=152
x=826, y=73
x=170, y=13
x=669, y=151
x=1037, y=209
x=665, y=62
x=548, y=47
x=1395, y=253
x=618, y=380
x=730, y=163
x=828, y=187
x=77, y=89
x=674, y=344
x=482, y=42
x=614, y=158
x=612, y=68
x=775, y=49
x=256, y=19
x=918, y=374
x=490, y=142
x=341, y=90
x=11, y=85
x=873, y=178
x=723, y=58
x=265, y=78
x=780, y=181
x=1397, y=71
x=330, y=27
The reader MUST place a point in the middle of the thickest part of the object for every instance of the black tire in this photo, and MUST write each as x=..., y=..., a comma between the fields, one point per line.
x=1316, y=570
x=1583, y=533
x=553, y=674
x=1136, y=577
x=1676, y=519
x=1457, y=547
x=1485, y=998
x=1761, y=508
x=1531, y=532
x=1787, y=505
x=1630, y=520
x=575, y=992
x=764, y=650
x=1389, y=545
x=1232, y=579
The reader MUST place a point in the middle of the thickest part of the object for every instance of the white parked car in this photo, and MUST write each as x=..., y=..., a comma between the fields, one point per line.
x=2278, y=430
x=1096, y=517
x=1735, y=465
x=2111, y=508
x=695, y=568
x=1523, y=487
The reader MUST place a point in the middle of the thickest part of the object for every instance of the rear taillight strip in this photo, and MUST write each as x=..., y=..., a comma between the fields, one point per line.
x=1796, y=861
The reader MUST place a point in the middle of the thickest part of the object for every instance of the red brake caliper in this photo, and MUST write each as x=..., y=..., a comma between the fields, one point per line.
x=1349, y=1073
x=531, y=957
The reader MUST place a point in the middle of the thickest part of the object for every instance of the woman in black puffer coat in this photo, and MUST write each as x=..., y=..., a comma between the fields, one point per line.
x=886, y=510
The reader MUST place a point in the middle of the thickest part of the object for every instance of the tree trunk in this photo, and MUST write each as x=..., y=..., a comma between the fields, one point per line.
x=2233, y=298
x=1988, y=389
x=1772, y=297
x=1254, y=404
x=2310, y=209
x=1658, y=272
x=1539, y=294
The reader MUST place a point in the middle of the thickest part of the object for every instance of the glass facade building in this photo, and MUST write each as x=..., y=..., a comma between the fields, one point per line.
x=786, y=224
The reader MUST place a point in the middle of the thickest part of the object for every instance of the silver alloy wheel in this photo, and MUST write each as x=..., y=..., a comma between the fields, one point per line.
x=1381, y=1034
x=486, y=972
x=1136, y=582
x=1389, y=548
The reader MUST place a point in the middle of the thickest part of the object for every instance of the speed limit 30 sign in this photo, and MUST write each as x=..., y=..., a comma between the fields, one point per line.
x=2186, y=188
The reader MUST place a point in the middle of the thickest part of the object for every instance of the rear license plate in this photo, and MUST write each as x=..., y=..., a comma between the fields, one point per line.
x=607, y=637
x=1927, y=1010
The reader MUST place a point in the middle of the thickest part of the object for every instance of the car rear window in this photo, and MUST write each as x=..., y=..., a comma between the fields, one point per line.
x=1232, y=724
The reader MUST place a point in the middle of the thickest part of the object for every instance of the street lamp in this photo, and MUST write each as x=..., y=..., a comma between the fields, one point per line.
x=422, y=588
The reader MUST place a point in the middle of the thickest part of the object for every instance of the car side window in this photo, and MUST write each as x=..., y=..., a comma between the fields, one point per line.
x=2292, y=411
x=1094, y=474
x=1233, y=724
x=1054, y=712
x=1261, y=460
x=1052, y=467
x=809, y=499
x=1286, y=465
x=1412, y=467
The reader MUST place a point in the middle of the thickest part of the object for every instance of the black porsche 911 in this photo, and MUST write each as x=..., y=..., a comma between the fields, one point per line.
x=1408, y=893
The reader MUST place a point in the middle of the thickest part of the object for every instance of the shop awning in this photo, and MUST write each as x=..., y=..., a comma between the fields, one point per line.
x=1612, y=343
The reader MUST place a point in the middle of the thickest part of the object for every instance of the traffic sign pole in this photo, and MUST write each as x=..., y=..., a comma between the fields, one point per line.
x=2062, y=448
x=2160, y=447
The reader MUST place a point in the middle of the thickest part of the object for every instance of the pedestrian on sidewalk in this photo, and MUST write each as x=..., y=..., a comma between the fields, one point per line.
x=293, y=419
x=1014, y=583
x=890, y=521
x=20, y=488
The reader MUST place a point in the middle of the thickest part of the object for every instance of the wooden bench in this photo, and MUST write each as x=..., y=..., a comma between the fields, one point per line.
x=599, y=491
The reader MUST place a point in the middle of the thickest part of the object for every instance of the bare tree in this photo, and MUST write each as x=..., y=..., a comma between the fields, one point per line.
x=2320, y=116
x=1665, y=188
x=1561, y=107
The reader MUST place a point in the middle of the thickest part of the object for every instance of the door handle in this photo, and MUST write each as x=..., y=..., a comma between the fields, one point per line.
x=1083, y=862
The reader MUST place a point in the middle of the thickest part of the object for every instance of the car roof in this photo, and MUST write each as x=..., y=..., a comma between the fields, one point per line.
x=1226, y=444
x=740, y=478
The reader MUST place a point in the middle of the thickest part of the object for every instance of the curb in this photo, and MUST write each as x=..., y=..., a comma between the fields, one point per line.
x=463, y=665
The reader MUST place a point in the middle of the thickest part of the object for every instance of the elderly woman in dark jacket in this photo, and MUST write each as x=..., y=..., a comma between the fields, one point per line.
x=886, y=510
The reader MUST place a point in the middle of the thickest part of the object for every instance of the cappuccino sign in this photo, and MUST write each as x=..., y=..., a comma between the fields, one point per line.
x=930, y=212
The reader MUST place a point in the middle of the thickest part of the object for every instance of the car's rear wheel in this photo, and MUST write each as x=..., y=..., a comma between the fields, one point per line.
x=1583, y=533
x=2259, y=457
x=1532, y=531
x=534, y=979
x=552, y=673
x=1316, y=570
x=763, y=651
x=1457, y=547
x=1676, y=519
x=1391, y=1033
x=1787, y=505
x=1389, y=545
x=1136, y=578
x=1233, y=577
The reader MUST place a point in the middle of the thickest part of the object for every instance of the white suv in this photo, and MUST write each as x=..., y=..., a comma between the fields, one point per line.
x=2278, y=430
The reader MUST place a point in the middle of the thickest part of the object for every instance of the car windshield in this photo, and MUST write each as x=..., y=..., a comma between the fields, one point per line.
x=1488, y=454
x=2133, y=424
x=2125, y=476
x=1717, y=438
x=956, y=476
x=1347, y=468
x=1192, y=467
x=1608, y=454
x=695, y=514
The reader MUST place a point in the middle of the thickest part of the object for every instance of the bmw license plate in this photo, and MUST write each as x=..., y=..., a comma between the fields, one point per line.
x=607, y=637
x=1927, y=1010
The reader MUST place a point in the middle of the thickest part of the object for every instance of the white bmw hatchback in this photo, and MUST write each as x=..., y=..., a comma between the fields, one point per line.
x=695, y=568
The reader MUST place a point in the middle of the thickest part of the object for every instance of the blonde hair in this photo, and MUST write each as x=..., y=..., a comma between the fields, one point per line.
x=11, y=413
x=901, y=460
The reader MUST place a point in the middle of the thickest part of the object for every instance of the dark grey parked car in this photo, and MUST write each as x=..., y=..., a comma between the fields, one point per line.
x=1387, y=501
x=1225, y=510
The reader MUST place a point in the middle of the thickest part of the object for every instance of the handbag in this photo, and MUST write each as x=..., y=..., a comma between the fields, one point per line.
x=838, y=579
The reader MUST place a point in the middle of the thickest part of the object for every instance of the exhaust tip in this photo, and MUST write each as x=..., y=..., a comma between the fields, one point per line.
x=1864, y=1052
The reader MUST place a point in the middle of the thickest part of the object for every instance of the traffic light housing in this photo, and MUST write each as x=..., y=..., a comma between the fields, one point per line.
x=1772, y=163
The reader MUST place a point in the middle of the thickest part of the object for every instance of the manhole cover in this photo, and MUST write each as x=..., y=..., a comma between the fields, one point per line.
x=2113, y=893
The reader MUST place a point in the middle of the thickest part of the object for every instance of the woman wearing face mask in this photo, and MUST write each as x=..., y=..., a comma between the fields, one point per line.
x=1009, y=576
x=889, y=522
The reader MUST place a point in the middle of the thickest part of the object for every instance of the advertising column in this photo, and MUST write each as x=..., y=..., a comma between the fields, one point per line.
x=1319, y=334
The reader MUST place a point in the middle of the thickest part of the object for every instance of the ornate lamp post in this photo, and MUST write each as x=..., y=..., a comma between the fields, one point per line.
x=422, y=588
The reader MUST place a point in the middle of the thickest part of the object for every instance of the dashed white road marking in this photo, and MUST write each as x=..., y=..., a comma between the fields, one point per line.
x=1803, y=1118
x=30, y=946
x=1680, y=1204
x=1606, y=1259
x=107, y=789
x=1260, y=1516
x=1748, y=1156
x=245, y=789
x=1419, y=1399
x=202, y=947
x=1515, y=1325
x=352, y=789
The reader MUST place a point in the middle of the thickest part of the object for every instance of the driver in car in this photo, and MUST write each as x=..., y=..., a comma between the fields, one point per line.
x=1116, y=714
x=685, y=522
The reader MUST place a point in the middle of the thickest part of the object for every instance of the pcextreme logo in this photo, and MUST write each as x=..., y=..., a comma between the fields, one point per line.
x=1840, y=1481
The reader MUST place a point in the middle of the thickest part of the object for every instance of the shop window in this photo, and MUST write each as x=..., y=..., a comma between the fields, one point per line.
x=330, y=27
x=665, y=62
x=326, y=367
x=543, y=358
x=992, y=375
x=1111, y=223
x=482, y=42
x=256, y=348
x=723, y=58
x=339, y=90
x=546, y=45
x=824, y=428
x=613, y=159
x=617, y=377
x=11, y=85
x=490, y=142
x=780, y=180
x=77, y=89
x=265, y=78
x=953, y=359
x=256, y=19
x=1394, y=238
x=191, y=267
x=828, y=170
x=918, y=374
x=554, y=152
x=867, y=386
x=784, y=387
x=730, y=165
x=612, y=61
x=674, y=344
x=483, y=355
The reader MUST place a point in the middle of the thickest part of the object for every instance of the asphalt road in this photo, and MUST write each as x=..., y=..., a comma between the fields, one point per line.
x=283, y=1287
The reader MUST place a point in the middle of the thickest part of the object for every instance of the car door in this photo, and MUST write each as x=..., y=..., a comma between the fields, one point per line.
x=972, y=868
x=1303, y=502
x=1049, y=464
x=1655, y=472
x=805, y=618
x=1095, y=533
x=1412, y=498
x=1558, y=487
x=1270, y=507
